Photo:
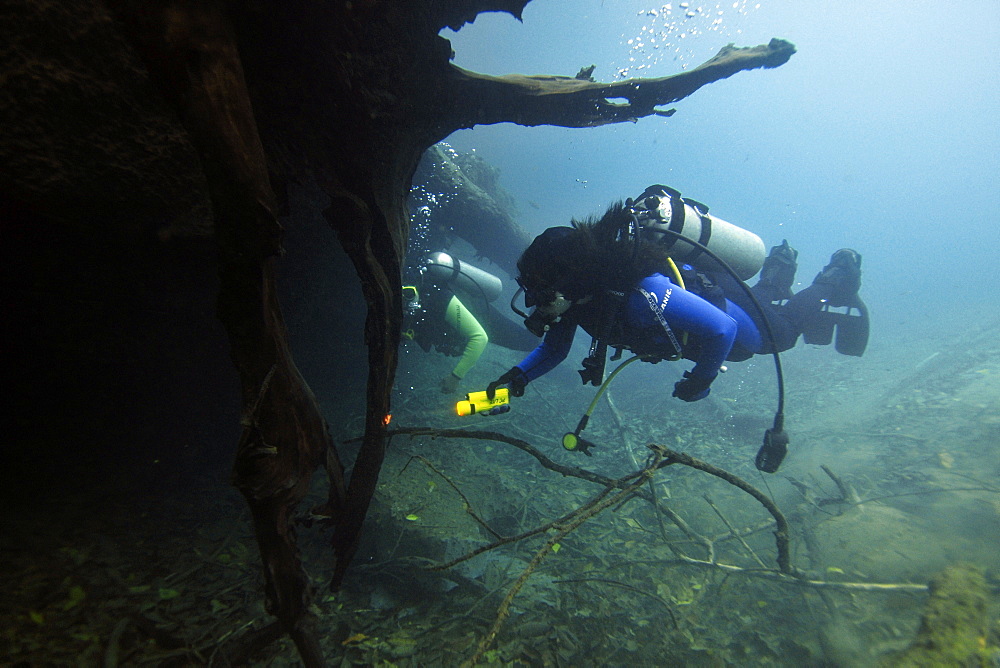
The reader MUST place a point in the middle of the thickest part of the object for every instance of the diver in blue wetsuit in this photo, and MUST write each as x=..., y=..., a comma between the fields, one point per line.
x=621, y=292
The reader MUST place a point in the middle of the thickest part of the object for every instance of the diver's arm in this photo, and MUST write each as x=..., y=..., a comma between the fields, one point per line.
x=469, y=329
x=551, y=352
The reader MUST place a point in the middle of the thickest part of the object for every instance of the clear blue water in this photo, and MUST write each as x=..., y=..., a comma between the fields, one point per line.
x=881, y=133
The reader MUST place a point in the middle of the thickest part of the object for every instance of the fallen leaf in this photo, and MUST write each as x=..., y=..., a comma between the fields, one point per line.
x=167, y=594
x=76, y=596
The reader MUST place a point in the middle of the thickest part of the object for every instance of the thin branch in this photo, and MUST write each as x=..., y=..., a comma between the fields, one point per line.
x=733, y=532
x=527, y=534
x=781, y=531
x=573, y=471
x=465, y=500
x=929, y=491
x=847, y=492
x=784, y=577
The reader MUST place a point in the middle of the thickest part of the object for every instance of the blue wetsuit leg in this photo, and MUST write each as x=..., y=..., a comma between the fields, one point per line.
x=684, y=311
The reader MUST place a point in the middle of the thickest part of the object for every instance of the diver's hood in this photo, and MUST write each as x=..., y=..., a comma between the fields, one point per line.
x=543, y=268
x=544, y=264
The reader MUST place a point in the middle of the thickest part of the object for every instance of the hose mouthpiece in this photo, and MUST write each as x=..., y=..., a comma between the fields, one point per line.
x=537, y=323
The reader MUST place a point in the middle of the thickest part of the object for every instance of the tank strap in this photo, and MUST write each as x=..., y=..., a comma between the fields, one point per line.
x=677, y=217
x=456, y=269
x=706, y=226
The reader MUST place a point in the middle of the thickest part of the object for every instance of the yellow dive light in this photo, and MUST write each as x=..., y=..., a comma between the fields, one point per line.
x=478, y=402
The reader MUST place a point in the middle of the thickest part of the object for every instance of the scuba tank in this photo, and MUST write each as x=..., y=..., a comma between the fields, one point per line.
x=461, y=276
x=661, y=209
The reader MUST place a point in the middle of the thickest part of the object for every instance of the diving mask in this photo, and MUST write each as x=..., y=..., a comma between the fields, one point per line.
x=411, y=299
x=544, y=314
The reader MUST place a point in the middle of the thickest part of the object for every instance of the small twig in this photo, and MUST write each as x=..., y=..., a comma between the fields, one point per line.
x=784, y=577
x=248, y=644
x=930, y=491
x=847, y=492
x=114, y=640
x=880, y=434
x=692, y=535
x=626, y=500
x=656, y=508
x=519, y=537
x=749, y=531
x=161, y=658
x=553, y=409
x=465, y=499
x=391, y=556
x=464, y=615
x=974, y=479
x=622, y=429
x=807, y=495
x=249, y=418
x=733, y=532
x=211, y=558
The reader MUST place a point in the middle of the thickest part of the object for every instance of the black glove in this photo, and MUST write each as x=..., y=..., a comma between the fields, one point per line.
x=692, y=388
x=513, y=379
x=449, y=384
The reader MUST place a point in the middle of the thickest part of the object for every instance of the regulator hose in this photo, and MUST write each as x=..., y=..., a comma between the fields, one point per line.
x=775, y=446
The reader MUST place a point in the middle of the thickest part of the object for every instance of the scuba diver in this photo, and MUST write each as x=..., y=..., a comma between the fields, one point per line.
x=435, y=317
x=616, y=277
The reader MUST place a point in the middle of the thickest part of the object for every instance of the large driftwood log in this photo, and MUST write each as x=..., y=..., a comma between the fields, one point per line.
x=575, y=103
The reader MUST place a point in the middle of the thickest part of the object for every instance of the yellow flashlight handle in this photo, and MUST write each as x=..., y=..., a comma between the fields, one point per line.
x=477, y=402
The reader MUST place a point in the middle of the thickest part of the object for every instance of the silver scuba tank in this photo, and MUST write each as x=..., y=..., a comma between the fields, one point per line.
x=660, y=209
x=462, y=276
